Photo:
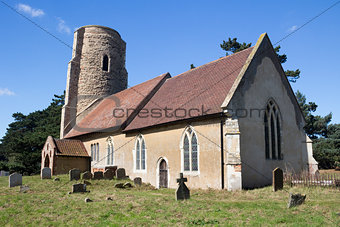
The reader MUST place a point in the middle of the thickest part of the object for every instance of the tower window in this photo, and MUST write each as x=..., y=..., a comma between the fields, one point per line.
x=106, y=63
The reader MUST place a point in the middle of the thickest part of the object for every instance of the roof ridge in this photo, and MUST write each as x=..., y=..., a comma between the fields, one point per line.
x=216, y=60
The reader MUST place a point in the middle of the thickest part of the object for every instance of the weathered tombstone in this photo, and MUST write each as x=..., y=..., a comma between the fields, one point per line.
x=76, y=188
x=24, y=188
x=119, y=185
x=127, y=185
x=86, y=175
x=120, y=174
x=182, y=191
x=108, y=174
x=4, y=173
x=74, y=174
x=317, y=174
x=57, y=179
x=46, y=173
x=277, y=179
x=295, y=200
x=137, y=181
x=113, y=168
x=98, y=175
x=15, y=179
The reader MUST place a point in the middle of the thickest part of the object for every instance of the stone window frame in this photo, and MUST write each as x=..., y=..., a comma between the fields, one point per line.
x=110, y=151
x=138, y=147
x=273, y=123
x=108, y=62
x=190, y=131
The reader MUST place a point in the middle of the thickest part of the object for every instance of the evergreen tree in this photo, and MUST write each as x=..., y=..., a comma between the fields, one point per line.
x=233, y=46
x=20, y=148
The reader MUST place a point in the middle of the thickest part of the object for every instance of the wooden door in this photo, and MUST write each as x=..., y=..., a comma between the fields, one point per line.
x=163, y=174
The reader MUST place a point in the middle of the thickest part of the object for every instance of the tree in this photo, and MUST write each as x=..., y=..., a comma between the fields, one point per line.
x=20, y=148
x=316, y=126
x=232, y=46
x=192, y=66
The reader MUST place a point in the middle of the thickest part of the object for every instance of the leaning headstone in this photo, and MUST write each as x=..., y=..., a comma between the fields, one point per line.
x=76, y=188
x=182, y=191
x=24, y=188
x=127, y=185
x=86, y=175
x=74, y=174
x=120, y=174
x=98, y=175
x=119, y=185
x=15, y=179
x=137, y=181
x=87, y=200
x=277, y=179
x=46, y=173
x=4, y=173
x=108, y=174
x=295, y=200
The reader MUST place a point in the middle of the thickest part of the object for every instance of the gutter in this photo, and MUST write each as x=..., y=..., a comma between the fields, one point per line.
x=222, y=151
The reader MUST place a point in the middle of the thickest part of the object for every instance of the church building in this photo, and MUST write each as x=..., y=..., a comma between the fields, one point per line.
x=224, y=125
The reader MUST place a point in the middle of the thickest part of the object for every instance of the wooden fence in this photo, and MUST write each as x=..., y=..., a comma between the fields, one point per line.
x=324, y=180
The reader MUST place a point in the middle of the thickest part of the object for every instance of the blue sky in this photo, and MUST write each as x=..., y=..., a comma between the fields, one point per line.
x=163, y=36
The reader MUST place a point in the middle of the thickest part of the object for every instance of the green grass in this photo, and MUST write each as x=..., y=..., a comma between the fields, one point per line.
x=48, y=203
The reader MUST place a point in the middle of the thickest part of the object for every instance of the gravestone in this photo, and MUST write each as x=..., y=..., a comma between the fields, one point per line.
x=15, y=179
x=108, y=174
x=182, y=191
x=127, y=185
x=277, y=179
x=4, y=173
x=86, y=175
x=24, y=188
x=137, y=181
x=46, y=173
x=295, y=200
x=74, y=174
x=77, y=188
x=98, y=175
x=120, y=174
x=113, y=168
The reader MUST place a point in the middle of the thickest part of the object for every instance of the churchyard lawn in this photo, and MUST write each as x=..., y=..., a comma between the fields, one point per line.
x=48, y=203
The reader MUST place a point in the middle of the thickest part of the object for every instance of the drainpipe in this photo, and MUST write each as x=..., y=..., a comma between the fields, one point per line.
x=222, y=151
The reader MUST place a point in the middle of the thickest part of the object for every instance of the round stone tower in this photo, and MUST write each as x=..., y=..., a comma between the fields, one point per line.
x=97, y=69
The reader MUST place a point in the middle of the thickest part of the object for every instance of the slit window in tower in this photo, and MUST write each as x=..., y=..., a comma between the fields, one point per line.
x=106, y=63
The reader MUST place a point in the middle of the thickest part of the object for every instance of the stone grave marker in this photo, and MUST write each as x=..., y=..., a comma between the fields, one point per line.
x=24, y=188
x=277, y=179
x=87, y=175
x=4, y=173
x=182, y=191
x=120, y=174
x=74, y=174
x=108, y=174
x=15, y=179
x=137, y=181
x=77, y=188
x=46, y=173
x=98, y=175
x=113, y=168
x=295, y=200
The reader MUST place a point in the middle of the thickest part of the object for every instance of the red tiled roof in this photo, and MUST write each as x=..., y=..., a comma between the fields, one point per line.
x=203, y=87
x=71, y=148
x=102, y=116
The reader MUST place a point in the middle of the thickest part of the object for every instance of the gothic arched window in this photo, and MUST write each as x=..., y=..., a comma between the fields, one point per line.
x=110, y=150
x=140, y=153
x=272, y=131
x=189, y=150
x=105, y=63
